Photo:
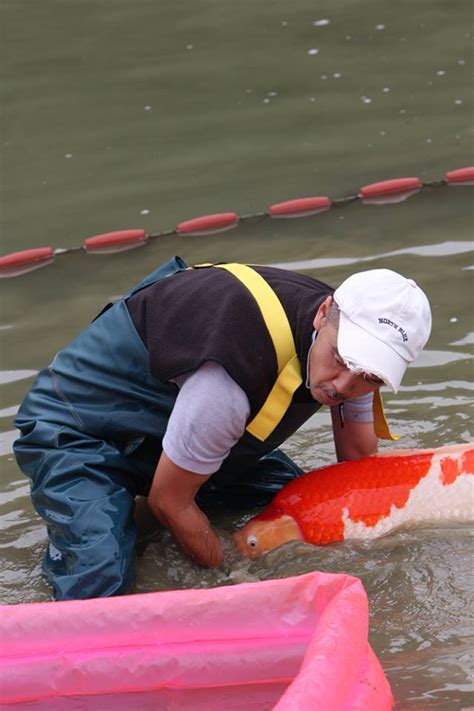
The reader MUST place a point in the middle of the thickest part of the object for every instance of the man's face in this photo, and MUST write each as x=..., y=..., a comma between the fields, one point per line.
x=331, y=381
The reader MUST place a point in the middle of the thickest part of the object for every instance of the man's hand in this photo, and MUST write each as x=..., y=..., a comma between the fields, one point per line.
x=171, y=500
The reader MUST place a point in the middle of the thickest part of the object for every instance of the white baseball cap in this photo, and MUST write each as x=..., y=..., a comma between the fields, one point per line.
x=385, y=321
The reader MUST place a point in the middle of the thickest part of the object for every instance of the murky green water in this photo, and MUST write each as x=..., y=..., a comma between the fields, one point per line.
x=123, y=114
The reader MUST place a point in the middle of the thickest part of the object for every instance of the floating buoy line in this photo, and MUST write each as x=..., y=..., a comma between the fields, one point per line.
x=387, y=191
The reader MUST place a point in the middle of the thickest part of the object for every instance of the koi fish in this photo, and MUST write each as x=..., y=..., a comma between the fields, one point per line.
x=366, y=498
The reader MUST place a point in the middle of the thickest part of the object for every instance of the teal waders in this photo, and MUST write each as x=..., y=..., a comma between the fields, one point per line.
x=91, y=432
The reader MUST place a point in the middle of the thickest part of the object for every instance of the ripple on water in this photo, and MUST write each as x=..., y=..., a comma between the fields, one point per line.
x=428, y=359
x=468, y=340
x=9, y=411
x=419, y=589
x=441, y=249
x=11, y=376
x=6, y=441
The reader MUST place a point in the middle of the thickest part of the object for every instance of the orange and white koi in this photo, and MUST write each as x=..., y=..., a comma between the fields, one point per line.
x=366, y=498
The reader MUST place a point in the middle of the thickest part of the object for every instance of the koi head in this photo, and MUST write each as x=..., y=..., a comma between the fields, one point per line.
x=262, y=534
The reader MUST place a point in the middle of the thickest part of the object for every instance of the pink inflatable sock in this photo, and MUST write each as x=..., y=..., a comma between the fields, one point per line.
x=295, y=644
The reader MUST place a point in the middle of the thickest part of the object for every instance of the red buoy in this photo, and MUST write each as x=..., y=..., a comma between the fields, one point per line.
x=300, y=207
x=25, y=261
x=208, y=224
x=462, y=176
x=390, y=191
x=110, y=242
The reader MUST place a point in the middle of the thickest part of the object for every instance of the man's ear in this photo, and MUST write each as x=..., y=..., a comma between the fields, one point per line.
x=322, y=313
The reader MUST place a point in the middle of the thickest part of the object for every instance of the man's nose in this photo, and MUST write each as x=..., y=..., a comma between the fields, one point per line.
x=346, y=382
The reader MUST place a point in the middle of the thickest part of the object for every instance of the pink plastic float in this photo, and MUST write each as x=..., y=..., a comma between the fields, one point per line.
x=294, y=644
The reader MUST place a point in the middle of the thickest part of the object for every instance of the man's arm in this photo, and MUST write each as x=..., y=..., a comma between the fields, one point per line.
x=353, y=440
x=171, y=500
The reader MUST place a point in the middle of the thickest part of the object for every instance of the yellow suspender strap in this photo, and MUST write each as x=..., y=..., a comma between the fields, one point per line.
x=382, y=430
x=289, y=370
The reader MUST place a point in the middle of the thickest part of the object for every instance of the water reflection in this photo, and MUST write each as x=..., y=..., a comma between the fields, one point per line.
x=11, y=376
x=429, y=250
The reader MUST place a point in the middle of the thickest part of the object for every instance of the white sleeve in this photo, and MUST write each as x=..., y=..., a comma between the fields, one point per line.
x=359, y=409
x=208, y=418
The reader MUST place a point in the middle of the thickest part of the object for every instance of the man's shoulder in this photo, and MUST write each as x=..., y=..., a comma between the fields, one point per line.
x=293, y=278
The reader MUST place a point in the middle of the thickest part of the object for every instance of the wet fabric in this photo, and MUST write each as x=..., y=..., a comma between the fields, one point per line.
x=91, y=430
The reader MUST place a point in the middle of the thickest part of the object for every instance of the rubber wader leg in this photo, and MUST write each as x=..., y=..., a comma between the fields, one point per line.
x=88, y=508
x=240, y=488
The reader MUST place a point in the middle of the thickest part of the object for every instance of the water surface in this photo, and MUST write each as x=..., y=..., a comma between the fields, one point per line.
x=145, y=114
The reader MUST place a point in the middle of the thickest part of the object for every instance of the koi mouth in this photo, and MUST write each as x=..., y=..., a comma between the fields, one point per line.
x=260, y=536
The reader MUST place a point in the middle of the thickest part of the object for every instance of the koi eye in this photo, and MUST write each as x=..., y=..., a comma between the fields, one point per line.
x=252, y=541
